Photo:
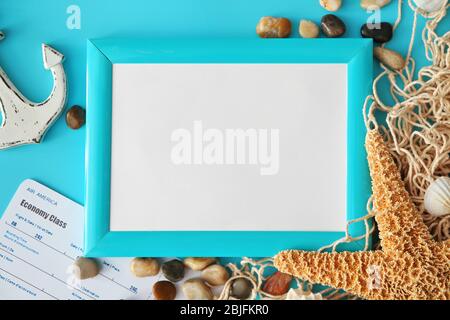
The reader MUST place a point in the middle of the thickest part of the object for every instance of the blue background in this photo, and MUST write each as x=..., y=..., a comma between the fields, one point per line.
x=58, y=162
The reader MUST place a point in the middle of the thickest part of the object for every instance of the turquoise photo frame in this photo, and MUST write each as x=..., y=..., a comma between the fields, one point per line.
x=103, y=53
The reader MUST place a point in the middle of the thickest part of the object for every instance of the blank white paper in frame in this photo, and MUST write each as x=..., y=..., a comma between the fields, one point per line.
x=229, y=147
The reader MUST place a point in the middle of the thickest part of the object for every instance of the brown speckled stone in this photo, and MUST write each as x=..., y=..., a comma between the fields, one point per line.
x=372, y=4
x=389, y=58
x=75, y=117
x=379, y=33
x=164, y=290
x=332, y=26
x=144, y=267
x=277, y=284
x=272, y=27
x=173, y=270
x=215, y=275
x=308, y=29
x=196, y=289
x=198, y=264
x=241, y=289
x=331, y=5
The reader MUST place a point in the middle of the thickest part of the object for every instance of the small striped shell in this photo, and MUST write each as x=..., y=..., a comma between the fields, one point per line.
x=437, y=197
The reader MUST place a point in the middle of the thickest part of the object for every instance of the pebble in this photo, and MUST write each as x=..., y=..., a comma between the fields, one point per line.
x=389, y=58
x=331, y=5
x=332, y=26
x=241, y=288
x=308, y=29
x=272, y=27
x=196, y=289
x=144, y=267
x=75, y=117
x=372, y=4
x=173, y=270
x=215, y=275
x=198, y=264
x=380, y=35
x=277, y=284
x=430, y=6
x=85, y=268
x=164, y=290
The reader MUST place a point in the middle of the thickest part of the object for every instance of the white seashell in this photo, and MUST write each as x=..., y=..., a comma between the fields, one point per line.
x=437, y=197
x=430, y=5
x=299, y=294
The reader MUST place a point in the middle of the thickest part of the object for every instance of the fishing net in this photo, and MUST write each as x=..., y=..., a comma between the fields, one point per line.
x=416, y=127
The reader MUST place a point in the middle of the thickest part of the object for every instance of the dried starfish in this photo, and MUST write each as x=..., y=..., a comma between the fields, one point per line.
x=411, y=265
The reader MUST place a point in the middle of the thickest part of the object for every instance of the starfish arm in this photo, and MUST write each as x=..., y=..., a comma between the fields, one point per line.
x=441, y=269
x=355, y=272
x=444, y=250
x=400, y=225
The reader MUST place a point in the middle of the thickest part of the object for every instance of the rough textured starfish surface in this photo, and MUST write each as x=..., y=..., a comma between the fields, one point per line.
x=411, y=265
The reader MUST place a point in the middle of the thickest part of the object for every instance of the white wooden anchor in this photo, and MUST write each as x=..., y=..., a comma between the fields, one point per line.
x=25, y=122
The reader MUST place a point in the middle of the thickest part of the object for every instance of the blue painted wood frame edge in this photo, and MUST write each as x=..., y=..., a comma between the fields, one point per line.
x=102, y=53
x=98, y=146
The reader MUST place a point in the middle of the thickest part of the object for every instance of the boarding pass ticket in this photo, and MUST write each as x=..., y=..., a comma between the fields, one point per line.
x=41, y=235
